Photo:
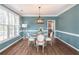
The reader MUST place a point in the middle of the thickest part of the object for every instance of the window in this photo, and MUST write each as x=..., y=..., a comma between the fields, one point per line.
x=16, y=30
x=3, y=24
x=11, y=19
x=11, y=31
x=17, y=25
x=5, y=32
x=9, y=24
x=13, y=25
x=17, y=20
x=1, y=32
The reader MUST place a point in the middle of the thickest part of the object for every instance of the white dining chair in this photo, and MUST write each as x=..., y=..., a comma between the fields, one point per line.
x=50, y=39
x=40, y=42
x=31, y=39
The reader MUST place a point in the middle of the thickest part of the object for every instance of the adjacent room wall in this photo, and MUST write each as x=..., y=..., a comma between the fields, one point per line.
x=67, y=26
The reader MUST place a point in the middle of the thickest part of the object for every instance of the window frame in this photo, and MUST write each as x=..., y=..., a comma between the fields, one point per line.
x=8, y=25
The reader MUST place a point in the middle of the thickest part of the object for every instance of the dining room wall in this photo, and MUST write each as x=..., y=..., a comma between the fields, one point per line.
x=32, y=26
x=68, y=27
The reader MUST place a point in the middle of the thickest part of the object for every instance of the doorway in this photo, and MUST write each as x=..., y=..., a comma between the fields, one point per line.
x=51, y=27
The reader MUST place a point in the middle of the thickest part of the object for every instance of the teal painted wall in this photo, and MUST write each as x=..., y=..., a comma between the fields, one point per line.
x=8, y=42
x=72, y=40
x=69, y=22
x=34, y=26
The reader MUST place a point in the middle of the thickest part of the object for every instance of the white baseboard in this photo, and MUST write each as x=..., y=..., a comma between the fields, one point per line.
x=9, y=45
x=68, y=44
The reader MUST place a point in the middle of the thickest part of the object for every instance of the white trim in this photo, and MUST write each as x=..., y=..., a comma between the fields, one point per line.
x=34, y=30
x=68, y=44
x=54, y=26
x=11, y=9
x=41, y=15
x=7, y=39
x=10, y=45
x=66, y=9
x=77, y=35
x=7, y=9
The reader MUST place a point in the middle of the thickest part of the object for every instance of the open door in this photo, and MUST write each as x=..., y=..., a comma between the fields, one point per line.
x=51, y=27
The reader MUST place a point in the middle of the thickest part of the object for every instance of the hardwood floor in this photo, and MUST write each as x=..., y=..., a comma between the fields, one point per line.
x=21, y=48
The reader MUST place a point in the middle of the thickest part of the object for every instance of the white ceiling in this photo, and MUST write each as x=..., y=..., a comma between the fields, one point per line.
x=32, y=9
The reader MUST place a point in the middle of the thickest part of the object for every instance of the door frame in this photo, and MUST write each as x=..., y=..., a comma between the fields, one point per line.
x=54, y=26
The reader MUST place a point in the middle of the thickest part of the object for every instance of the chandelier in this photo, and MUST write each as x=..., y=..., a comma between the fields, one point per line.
x=39, y=19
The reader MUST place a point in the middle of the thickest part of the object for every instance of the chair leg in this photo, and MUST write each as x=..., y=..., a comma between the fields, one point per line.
x=42, y=49
x=37, y=48
x=46, y=43
x=34, y=43
x=51, y=43
x=28, y=43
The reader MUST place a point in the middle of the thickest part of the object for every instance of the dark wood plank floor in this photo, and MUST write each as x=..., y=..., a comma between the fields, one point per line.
x=21, y=48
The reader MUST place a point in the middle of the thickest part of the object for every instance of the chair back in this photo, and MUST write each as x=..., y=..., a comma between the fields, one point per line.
x=40, y=37
x=51, y=34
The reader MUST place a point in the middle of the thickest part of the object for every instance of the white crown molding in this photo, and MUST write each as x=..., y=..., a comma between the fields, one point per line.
x=38, y=15
x=11, y=9
x=66, y=9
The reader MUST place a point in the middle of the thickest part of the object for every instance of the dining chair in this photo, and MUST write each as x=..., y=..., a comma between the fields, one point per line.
x=50, y=39
x=40, y=42
x=31, y=40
